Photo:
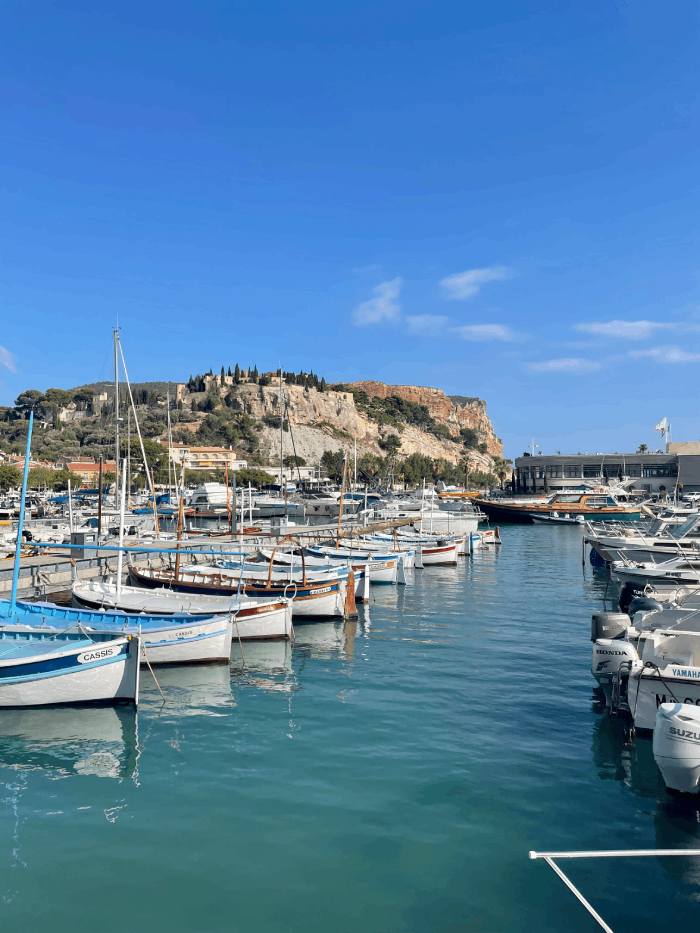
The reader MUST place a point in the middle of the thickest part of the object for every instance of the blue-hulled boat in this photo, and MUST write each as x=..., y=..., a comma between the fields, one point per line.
x=178, y=638
x=50, y=668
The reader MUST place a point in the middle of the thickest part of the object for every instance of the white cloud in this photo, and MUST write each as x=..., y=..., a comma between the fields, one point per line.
x=486, y=332
x=427, y=325
x=631, y=330
x=7, y=360
x=572, y=364
x=668, y=355
x=383, y=307
x=465, y=284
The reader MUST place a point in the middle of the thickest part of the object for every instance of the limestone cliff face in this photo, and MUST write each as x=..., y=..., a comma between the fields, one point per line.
x=455, y=413
x=330, y=421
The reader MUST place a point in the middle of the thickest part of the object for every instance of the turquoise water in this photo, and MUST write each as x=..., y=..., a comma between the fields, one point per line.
x=388, y=775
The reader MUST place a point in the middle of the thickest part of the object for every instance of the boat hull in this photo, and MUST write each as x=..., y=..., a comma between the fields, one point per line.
x=68, y=680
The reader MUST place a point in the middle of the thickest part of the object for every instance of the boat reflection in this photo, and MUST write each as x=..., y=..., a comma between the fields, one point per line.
x=97, y=741
x=188, y=689
x=676, y=818
x=324, y=640
x=264, y=664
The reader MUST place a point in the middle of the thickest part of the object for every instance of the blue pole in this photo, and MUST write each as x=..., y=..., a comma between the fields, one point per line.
x=18, y=546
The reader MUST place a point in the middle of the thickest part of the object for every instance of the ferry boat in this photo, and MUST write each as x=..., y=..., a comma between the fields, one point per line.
x=601, y=506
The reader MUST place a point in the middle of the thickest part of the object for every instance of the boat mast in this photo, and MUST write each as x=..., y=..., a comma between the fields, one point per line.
x=116, y=417
x=20, y=523
x=281, y=431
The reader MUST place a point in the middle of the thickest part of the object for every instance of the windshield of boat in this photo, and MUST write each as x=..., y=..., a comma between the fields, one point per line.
x=680, y=531
x=568, y=498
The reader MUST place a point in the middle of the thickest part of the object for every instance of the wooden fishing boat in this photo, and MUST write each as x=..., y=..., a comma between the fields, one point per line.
x=252, y=619
x=324, y=599
x=601, y=507
x=165, y=639
x=50, y=667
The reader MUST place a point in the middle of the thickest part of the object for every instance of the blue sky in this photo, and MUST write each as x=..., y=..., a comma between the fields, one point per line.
x=500, y=200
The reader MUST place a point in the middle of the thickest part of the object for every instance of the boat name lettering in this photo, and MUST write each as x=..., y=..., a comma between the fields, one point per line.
x=683, y=733
x=688, y=701
x=99, y=654
x=185, y=633
x=693, y=673
x=326, y=589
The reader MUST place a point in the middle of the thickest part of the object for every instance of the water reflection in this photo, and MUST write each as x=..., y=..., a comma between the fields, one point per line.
x=630, y=760
x=99, y=741
x=188, y=690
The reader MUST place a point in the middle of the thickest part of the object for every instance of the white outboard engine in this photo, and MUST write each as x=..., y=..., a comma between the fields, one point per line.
x=677, y=746
x=610, y=648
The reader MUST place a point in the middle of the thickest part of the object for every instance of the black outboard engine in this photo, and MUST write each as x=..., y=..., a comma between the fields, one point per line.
x=627, y=594
x=609, y=625
x=643, y=604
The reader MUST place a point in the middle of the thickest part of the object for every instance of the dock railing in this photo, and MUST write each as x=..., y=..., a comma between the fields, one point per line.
x=549, y=858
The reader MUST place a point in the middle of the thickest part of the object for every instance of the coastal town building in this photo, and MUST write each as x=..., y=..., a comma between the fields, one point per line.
x=206, y=458
x=655, y=472
x=88, y=471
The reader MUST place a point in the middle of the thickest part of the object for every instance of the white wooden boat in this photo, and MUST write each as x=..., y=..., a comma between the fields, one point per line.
x=48, y=667
x=322, y=599
x=251, y=619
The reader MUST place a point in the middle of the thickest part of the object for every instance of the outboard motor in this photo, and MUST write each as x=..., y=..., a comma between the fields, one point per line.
x=627, y=594
x=610, y=648
x=677, y=746
x=609, y=654
x=643, y=604
x=609, y=625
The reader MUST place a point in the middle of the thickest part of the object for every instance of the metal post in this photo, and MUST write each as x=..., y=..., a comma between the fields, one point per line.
x=116, y=416
x=235, y=506
x=99, y=500
x=120, y=558
x=70, y=509
x=20, y=526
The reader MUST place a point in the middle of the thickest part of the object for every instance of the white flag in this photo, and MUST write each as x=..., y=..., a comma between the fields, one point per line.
x=662, y=426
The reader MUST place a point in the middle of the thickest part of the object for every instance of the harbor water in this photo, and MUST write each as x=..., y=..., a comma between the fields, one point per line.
x=388, y=774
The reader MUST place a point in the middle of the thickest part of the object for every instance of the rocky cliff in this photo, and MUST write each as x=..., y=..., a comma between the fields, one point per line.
x=454, y=412
x=331, y=420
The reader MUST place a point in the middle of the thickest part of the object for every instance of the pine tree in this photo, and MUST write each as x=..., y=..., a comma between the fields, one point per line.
x=229, y=372
x=223, y=373
x=255, y=371
x=237, y=374
x=322, y=387
x=193, y=406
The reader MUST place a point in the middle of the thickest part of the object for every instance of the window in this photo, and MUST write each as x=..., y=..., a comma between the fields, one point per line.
x=592, y=469
x=554, y=470
x=612, y=469
x=567, y=499
x=633, y=469
x=572, y=470
x=661, y=469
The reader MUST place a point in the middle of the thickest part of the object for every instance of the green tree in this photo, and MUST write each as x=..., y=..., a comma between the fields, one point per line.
x=332, y=463
x=642, y=449
x=9, y=477
x=479, y=478
x=391, y=443
x=29, y=400
x=194, y=406
x=237, y=374
x=501, y=468
x=41, y=478
x=291, y=462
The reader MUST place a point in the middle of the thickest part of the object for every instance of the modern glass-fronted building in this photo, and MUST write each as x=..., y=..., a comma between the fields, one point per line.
x=652, y=472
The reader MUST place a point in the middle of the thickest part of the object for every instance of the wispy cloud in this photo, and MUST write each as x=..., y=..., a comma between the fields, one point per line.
x=7, y=360
x=383, y=307
x=668, y=355
x=427, y=325
x=463, y=285
x=572, y=364
x=486, y=332
x=631, y=330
